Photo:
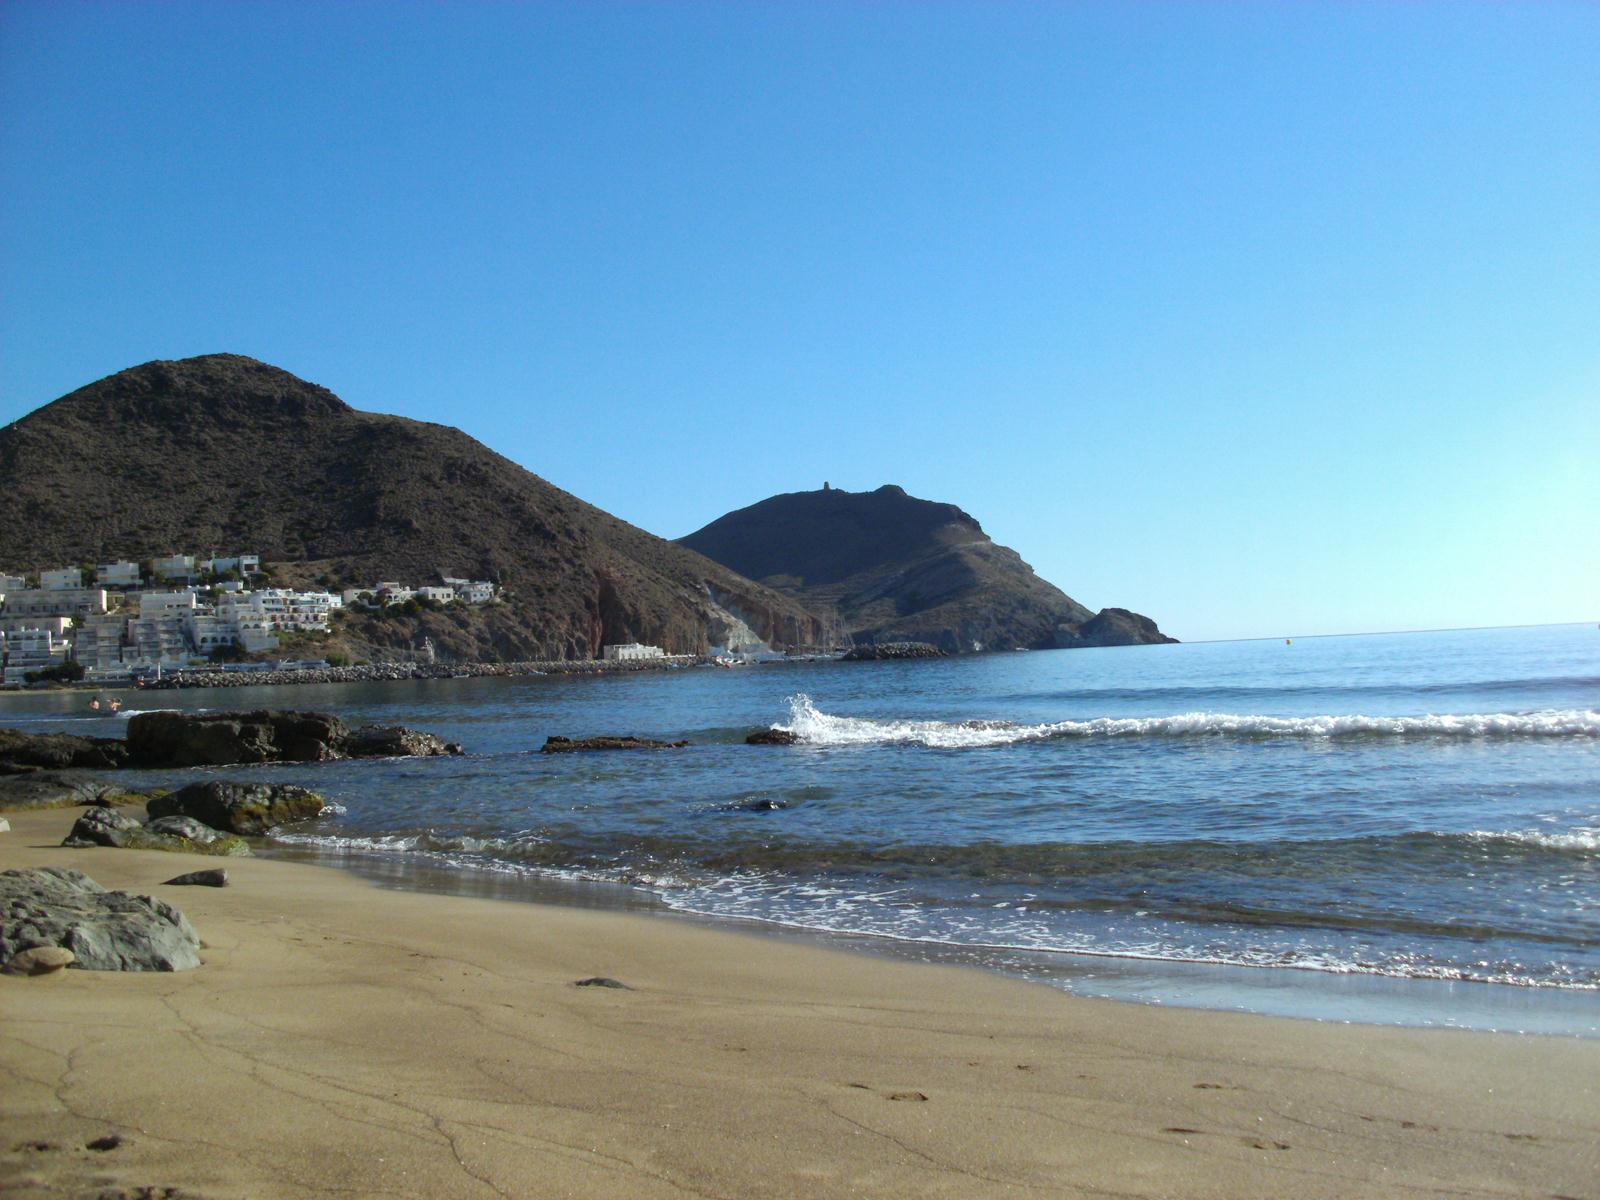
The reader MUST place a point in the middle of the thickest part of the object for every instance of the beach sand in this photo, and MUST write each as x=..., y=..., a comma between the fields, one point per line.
x=342, y=1039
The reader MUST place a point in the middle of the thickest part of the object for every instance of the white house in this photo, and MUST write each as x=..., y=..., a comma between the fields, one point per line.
x=444, y=595
x=66, y=579
x=245, y=564
x=32, y=650
x=174, y=566
x=166, y=604
x=54, y=602
x=117, y=574
x=478, y=591
x=12, y=583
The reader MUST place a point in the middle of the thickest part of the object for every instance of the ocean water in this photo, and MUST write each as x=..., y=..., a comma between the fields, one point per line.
x=1399, y=828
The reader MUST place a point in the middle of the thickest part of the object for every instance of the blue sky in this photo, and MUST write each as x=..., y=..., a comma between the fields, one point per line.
x=1259, y=319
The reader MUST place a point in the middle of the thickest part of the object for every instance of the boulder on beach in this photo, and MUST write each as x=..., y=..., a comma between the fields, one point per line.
x=563, y=745
x=243, y=808
x=22, y=752
x=181, y=739
x=112, y=827
x=105, y=931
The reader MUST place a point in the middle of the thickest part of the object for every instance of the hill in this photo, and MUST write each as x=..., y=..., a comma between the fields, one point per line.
x=896, y=568
x=223, y=453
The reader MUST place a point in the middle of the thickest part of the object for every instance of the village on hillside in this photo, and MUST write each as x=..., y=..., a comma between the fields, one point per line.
x=136, y=619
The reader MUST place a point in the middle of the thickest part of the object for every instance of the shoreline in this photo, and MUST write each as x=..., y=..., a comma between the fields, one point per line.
x=415, y=1044
x=1282, y=992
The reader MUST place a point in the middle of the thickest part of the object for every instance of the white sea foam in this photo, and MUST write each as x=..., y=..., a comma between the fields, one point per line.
x=1576, y=839
x=817, y=728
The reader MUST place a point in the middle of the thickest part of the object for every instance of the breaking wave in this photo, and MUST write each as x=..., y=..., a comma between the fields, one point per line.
x=814, y=727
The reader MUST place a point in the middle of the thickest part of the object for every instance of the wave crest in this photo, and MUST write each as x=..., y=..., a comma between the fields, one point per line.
x=817, y=728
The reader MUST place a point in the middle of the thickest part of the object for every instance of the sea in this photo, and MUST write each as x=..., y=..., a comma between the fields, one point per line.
x=1395, y=829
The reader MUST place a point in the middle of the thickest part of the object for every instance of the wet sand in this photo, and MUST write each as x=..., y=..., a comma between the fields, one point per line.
x=342, y=1038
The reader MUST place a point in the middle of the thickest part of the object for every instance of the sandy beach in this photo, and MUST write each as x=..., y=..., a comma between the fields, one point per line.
x=345, y=1039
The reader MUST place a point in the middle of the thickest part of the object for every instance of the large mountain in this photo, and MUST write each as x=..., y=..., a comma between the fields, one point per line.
x=226, y=454
x=896, y=568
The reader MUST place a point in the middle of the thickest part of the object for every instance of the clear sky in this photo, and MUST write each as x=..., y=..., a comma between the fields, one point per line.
x=1259, y=319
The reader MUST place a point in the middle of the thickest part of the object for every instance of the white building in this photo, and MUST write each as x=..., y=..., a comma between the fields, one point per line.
x=32, y=650
x=278, y=608
x=118, y=575
x=632, y=650
x=56, y=625
x=98, y=643
x=12, y=583
x=161, y=640
x=173, y=566
x=444, y=595
x=66, y=579
x=478, y=591
x=64, y=602
x=167, y=604
x=245, y=564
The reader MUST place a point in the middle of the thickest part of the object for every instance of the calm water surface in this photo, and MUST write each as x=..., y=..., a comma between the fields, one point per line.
x=1398, y=828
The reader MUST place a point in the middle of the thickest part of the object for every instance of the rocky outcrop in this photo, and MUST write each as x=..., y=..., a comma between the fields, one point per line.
x=51, y=789
x=562, y=745
x=772, y=737
x=894, y=568
x=105, y=931
x=114, y=827
x=244, y=808
x=22, y=752
x=179, y=739
x=886, y=650
x=396, y=741
x=1111, y=627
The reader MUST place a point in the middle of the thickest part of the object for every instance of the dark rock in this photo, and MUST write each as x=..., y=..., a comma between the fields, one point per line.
x=247, y=808
x=396, y=741
x=184, y=827
x=561, y=745
x=772, y=737
x=106, y=931
x=101, y=1144
x=48, y=789
x=102, y=827
x=216, y=877
x=39, y=960
x=111, y=827
x=602, y=981
x=1111, y=627
x=23, y=752
x=178, y=739
x=756, y=804
x=892, y=650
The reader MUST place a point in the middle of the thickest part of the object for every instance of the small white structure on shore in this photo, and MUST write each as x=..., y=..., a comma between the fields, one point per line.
x=629, y=651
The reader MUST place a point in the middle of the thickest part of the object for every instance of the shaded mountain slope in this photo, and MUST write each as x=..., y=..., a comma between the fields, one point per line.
x=223, y=453
x=896, y=568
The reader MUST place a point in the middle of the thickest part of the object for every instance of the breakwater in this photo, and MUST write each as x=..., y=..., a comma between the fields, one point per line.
x=374, y=672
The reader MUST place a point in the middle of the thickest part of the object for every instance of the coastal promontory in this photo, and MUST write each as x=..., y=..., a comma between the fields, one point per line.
x=895, y=568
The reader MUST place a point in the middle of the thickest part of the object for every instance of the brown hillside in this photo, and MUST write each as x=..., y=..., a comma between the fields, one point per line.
x=896, y=568
x=224, y=454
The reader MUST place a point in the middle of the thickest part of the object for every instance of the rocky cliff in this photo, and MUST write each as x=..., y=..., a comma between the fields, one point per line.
x=226, y=454
x=899, y=569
